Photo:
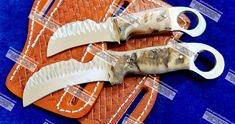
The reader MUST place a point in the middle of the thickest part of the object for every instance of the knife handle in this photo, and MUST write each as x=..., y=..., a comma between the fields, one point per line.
x=163, y=59
x=157, y=20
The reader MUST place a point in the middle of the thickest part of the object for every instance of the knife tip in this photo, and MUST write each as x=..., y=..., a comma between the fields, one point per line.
x=25, y=103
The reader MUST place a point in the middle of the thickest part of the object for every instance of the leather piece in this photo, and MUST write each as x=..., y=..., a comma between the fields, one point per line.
x=113, y=101
x=62, y=11
x=68, y=11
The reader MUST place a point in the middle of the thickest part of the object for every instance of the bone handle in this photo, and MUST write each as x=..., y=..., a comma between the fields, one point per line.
x=151, y=61
x=156, y=20
x=162, y=59
x=142, y=23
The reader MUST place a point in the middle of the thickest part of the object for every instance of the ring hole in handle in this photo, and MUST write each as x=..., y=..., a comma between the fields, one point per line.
x=175, y=13
x=218, y=68
x=191, y=16
x=205, y=61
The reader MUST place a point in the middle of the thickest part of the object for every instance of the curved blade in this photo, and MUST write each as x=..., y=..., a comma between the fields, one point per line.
x=80, y=33
x=61, y=74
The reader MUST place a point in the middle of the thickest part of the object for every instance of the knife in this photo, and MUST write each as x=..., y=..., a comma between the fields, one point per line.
x=152, y=60
x=120, y=28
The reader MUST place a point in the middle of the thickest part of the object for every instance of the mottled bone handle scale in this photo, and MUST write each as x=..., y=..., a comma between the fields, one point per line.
x=145, y=22
x=154, y=60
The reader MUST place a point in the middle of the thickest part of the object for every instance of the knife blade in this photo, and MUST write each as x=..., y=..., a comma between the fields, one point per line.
x=152, y=60
x=116, y=29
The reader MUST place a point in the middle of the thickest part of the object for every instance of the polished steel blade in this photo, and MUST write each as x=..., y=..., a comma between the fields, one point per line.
x=61, y=74
x=80, y=33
